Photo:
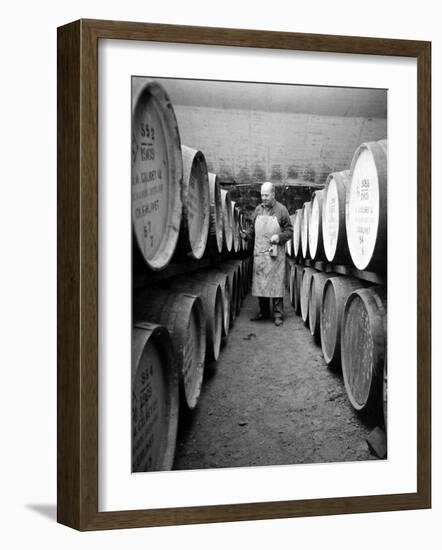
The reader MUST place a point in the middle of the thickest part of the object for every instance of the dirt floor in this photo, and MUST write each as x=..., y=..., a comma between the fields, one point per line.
x=270, y=399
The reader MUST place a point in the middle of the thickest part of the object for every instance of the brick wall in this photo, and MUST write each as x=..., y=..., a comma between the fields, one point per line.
x=254, y=146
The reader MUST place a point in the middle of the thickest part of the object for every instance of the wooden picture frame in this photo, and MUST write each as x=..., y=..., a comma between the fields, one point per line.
x=77, y=225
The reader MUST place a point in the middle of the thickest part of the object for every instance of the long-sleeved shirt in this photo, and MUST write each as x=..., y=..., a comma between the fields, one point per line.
x=281, y=213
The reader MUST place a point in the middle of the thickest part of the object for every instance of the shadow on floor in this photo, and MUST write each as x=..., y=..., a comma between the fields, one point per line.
x=48, y=511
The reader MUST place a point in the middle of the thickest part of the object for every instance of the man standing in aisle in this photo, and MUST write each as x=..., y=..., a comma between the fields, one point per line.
x=272, y=228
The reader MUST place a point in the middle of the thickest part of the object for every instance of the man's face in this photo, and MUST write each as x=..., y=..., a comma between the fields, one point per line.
x=266, y=197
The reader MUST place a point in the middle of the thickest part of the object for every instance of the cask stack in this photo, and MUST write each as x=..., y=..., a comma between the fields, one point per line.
x=191, y=270
x=340, y=250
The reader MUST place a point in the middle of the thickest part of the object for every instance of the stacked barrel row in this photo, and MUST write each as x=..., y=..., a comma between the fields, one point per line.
x=179, y=328
x=179, y=211
x=346, y=222
x=347, y=317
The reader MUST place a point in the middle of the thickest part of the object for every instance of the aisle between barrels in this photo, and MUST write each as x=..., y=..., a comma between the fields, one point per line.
x=270, y=399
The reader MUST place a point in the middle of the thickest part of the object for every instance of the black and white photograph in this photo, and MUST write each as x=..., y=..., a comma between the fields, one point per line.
x=259, y=274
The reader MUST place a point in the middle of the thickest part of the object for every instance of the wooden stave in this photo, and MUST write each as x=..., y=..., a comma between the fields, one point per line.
x=233, y=280
x=297, y=233
x=194, y=160
x=342, y=253
x=317, y=284
x=174, y=310
x=299, y=271
x=305, y=292
x=289, y=243
x=175, y=175
x=211, y=297
x=376, y=298
x=317, y=253
x=226, y=206
x=221, y=278
x=305, y=252
x=287, y=275
x=288, y=248
x=378, y=260
x=215, y=239
x=292, y=282
x=342, y=288
x=141, y=335
x=235, y=226
x=236, y=265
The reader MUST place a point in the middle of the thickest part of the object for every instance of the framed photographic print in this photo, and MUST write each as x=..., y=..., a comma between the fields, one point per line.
x=243, y=251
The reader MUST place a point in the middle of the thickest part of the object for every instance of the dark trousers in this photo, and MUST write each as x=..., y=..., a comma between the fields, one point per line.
x=278, y=307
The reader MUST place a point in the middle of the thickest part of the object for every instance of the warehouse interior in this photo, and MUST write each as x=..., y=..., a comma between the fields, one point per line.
x=269, y=397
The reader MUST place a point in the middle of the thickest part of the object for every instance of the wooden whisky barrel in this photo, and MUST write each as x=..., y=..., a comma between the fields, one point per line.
x=288, y=248
x=299, y=271
x=364, y=346
x=289, y=243
x=336, y=291
x=195, y=222
x=183, y=316
x=306, y=209
x=305, y=292
x=215, y=239
x=226, y=207
x=215, y=276
x=317, y=284
x=366, y=207
x=334, y=234
x=297, y=233
x=315, y=241
x=287, y=275
x=234, y=290
x=243, y=227
x=292, y=282
x=236, y=265
x=157, y=174
x=211, y=298
x=155, y=399
x=235, y=226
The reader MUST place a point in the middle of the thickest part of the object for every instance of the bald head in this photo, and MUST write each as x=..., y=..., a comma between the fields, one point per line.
x=267, y=193
x=267, y=187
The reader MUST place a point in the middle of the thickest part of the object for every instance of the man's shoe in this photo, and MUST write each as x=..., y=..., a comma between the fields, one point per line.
x=278, y=321
x=259, y=317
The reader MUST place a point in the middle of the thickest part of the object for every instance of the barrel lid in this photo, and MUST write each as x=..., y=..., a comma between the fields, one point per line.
x=304, y=228
x=366, y=202
x=156, y=175
x=196, y=199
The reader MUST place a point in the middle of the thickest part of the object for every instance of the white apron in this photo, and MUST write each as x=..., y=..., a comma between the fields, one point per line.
x=268, y=272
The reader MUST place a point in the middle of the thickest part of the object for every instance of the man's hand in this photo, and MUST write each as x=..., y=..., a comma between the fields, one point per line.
x=274, y=239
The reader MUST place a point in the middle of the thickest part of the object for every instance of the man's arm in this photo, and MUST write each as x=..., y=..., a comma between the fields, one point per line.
x=286, y=226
